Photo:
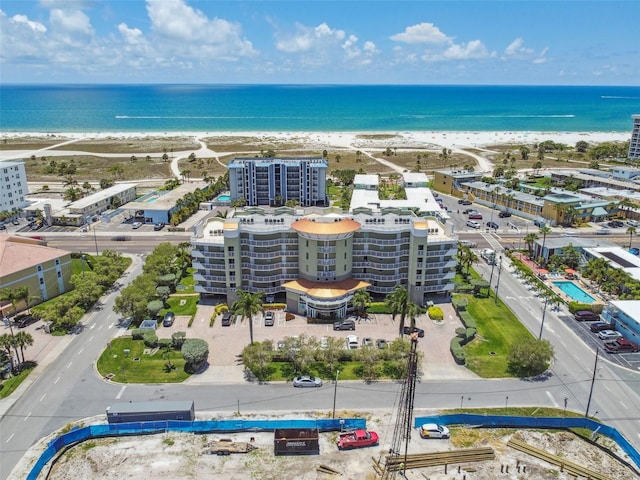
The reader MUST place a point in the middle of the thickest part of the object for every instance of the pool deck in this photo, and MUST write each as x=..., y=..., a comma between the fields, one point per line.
x=597, y=299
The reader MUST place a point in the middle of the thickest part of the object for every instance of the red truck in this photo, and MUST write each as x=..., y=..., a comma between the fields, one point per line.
x=620, y=346
x=357, y=439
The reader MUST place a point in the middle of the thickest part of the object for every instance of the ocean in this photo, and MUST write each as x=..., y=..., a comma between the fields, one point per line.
x=284, y=108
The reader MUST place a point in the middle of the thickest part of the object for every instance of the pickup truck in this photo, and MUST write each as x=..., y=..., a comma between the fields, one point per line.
x=357, y=439
x=620, y=346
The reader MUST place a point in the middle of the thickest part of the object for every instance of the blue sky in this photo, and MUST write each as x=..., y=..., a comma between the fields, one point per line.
x=470, y=42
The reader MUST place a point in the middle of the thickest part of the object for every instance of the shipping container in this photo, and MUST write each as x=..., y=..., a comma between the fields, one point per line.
x=296, y=441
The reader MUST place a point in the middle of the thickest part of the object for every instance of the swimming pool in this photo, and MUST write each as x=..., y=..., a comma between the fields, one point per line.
x=575, y=292
x=224, y=198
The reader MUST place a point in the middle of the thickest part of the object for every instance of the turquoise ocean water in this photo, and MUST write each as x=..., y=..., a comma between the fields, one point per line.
x=210, y=108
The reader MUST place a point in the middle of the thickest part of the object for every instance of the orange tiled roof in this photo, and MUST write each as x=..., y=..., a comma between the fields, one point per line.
x=20, y=253
x=326, y=289
x=345, y=225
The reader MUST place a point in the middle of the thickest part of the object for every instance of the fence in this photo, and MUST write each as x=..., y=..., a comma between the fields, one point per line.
x=535, y=422
x=200, y=426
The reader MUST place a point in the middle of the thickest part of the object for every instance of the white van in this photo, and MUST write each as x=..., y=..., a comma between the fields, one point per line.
x=632, y=223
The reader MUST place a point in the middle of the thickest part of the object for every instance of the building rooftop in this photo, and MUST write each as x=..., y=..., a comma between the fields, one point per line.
x=164, y=200
x=265, y=162
x=326, y=289
x=101, y=195
x=629, y=307
x=325, y=226
x=20, y=253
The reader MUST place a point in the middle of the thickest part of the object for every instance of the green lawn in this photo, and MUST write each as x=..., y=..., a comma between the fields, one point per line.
x=149, y=368
x=189, y=306
x=8, y=386
x=187, y=283
x=498, y=329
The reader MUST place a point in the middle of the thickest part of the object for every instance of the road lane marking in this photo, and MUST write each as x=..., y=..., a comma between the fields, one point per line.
x=81, y=350
x=626, y=408
x=42, y=398
x=92, y=326
x=100, y=327
x=28, y=415
x=120, y=392
x=553, y=400
x=92, y=337
x=69, y=364
x=57, y=380
x=9, y=439
x=608, y=389
x=111, y=325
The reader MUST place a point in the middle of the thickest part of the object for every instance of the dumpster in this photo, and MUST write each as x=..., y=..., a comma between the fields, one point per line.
x=296, y=441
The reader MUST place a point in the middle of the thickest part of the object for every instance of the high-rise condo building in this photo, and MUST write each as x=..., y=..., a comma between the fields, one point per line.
x=634, y=144
x=13, y=185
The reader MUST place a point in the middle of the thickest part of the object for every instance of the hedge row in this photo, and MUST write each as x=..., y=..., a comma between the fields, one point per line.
x=463, y=335
x=576, y=306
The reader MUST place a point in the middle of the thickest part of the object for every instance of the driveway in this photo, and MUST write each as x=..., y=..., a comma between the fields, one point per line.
x=226, y=343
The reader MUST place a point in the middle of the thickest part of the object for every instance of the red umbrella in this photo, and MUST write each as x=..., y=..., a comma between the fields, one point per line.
x=570, y=271
x=542, y=271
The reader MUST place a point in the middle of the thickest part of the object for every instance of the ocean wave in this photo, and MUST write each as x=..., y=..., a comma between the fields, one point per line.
x=491, y=116
x=203, y=117
x=619, y=97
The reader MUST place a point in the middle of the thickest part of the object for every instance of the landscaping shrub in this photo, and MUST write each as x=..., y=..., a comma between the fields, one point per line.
x=378, y=307
x=457, y=351
x=577, y=306
x=459, y=303
x=137, y=333
x=165, y=342
x=274, y=306
x=195, y=352
x=464, y=288
x=467, y=319
x=220, y=308
x=435, y=313
x=150, y=339
x=178, y=339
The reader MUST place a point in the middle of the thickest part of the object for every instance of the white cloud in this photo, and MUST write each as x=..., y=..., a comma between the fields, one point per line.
x=35, y=26
x=70, y=22
x=422, y=33
x=193, y=31
x=472, y=50
x=130, y=35
x=356, y=54
x=310, y=38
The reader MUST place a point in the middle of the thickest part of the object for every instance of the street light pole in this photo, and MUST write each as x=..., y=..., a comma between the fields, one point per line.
x=593, y=381
x=95, y=240
x=544, y=311
x=335, y=393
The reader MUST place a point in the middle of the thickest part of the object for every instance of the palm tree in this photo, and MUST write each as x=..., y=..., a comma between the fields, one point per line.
x=23, y=339
x=23, y=293
x=631, y=231
x=248, y=305
x=530, y=239
x=398, y=301
x=466, y=257
x=544, y=230
x=7, y=342
x=360, y=300
x=9, y=295
x=413, y=311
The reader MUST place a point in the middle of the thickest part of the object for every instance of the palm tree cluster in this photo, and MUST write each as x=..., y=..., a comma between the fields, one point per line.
x=20, y=340
x=19, y=295
x=613, y=281
x=190, y=203
x=537, y=285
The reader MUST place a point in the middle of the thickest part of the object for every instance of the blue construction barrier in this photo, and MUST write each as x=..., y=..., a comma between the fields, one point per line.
x=534, y=422
x=201, y=426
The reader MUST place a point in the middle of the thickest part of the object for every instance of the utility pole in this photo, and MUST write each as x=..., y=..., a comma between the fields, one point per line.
x=335, y=393
x=593, y=381
x=498, y=282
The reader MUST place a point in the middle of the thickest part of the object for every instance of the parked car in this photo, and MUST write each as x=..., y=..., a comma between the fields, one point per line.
x=136, y=225
x=357, y=439
x=168, y=319
x=226, y=319
x=599, y=326
x=621, y=345
x=158, y=226
x=609, y=335
x=344, y=325
x=352, y=342
x=475, y=216
x=504, y=214
x=634, y=251
x=432, y=430
x=586, y=316
x=539, y=223
x=493, y=225
x=307, y=381
x=367, y=342
x=22, y=321
x=268, y=318
x=15, y=221
x=603, y=231
x=615, y=224
x=409, y=330
x=467, y=243
x=633, y=223
x=472, y=224
x=469, y=210
x=3, y=226
x=465, y=202
x=381, y=343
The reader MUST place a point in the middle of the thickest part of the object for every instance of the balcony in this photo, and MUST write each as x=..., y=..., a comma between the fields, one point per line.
x=271, y=266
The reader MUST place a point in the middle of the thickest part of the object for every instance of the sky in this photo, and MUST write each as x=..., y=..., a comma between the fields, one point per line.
x=472, y=42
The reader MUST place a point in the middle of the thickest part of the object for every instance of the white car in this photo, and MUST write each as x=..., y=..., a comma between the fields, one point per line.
x=307, y=381
x=609, y=335
x=136, y=225
x=352, y=342
x=432, y=430
x=473, y=224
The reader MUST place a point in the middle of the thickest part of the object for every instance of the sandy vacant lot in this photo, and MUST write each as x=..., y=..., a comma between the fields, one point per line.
x=179, y=456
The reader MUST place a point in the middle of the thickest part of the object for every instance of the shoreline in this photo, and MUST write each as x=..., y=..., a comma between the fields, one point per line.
x=347, y=139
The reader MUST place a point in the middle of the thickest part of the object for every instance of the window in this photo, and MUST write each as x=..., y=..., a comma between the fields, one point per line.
x=59, y=274
x=57, y=261
x=42, y=281
x=39, y=268
x=421, y=248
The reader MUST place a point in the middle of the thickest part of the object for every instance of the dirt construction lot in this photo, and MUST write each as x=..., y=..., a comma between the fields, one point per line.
x=179, y=456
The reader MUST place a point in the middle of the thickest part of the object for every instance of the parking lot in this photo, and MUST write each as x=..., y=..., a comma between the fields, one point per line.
x=226, y=343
